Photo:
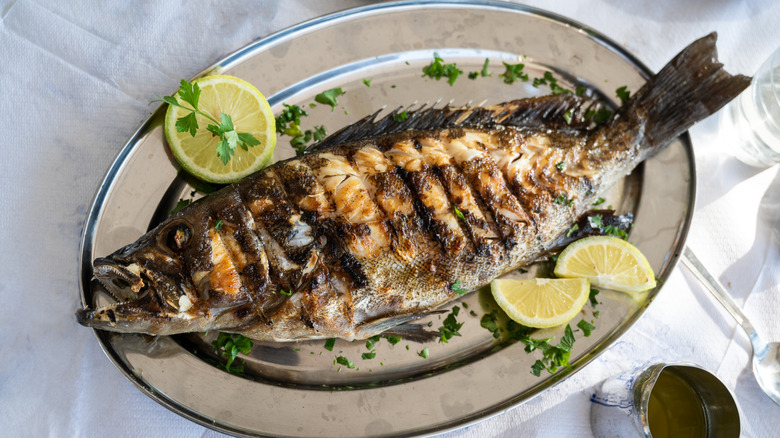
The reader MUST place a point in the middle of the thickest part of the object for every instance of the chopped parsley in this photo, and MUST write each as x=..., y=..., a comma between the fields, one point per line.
x=623, y=94
x=568, y=115
x=370, y=342
x=484, y=72
x=393, y=339
x=400, y=117
x=572, y=230
x=561, y=166
x=330, y=343
x=229, y=345
x=553, y=356
x=450, y=327
x=180, y=205
x=513, y=73
x=549, y=79
x=281, y=291
x=489, y=321
x=367, y=82
x=328, y=97
x=289, y=121
x=299, y=142
x=424, y=353
x=599, y=201
x=218, y=225
x=609, y=230
x=371, y=355
x=458, y=213
x=586, y=327
x=592, y=297
x=564, y=200
x=341, y=360
x=600, y=116
x=457, y=289
x=437, y=69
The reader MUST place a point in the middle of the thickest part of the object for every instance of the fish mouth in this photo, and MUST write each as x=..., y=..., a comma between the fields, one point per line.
x=124, y=283
x=135, y=307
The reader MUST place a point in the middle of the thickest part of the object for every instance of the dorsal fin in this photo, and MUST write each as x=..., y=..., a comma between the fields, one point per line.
x=536, y=112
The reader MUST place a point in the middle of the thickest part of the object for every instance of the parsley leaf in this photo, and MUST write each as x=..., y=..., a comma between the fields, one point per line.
x=457, y=289
x=458, y=213
x=328, y=97
x=229, y=345
x=369, y=355
x=341, y=360
x=330, y=343
x=424, y=353
x=586, y=327
x=549, y=79
x=623, y=94
x=484, y=71
x=450, y=327
x=218, y=225
x=393, y=339
x=513, y=73
x=181, y=204
x=568, y=115
x=367, y=82
x=592, y=297
x=489, y=321
x=599, y=201
x=437, y=69
x=572, y=230
x=400, y=117
x=561, y=166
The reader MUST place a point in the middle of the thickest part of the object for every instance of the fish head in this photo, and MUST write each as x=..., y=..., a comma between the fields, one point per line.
x=153, y=293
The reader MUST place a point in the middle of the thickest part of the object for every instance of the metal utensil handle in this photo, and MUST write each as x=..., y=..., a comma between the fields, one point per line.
x=690, y=261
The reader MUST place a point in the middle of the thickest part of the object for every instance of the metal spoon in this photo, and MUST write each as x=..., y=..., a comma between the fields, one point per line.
x=766, y=357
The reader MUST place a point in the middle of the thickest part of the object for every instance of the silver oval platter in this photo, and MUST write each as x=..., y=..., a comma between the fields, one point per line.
x=297, y=389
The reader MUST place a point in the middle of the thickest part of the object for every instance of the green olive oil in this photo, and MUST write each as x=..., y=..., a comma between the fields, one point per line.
x=675, y=410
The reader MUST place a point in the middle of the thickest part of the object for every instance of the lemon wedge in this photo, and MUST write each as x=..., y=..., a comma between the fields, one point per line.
x=250, y=114
x=541, y=302
x=608, y=262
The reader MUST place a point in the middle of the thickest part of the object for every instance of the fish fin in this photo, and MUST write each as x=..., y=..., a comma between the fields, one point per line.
x=413, y=332
x=593, y=223
x=399, y=326
x=545, y=111
x=692, y=86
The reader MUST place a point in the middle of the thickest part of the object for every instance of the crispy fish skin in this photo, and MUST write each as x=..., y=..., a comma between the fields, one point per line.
x=374, y=227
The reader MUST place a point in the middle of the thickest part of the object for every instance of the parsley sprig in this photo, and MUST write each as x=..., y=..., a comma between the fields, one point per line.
x=229, y=138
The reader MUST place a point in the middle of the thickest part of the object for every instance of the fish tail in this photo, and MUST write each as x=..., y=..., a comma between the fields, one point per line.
x=691, y=87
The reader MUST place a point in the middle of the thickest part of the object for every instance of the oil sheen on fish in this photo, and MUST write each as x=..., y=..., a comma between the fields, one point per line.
x=375, y=226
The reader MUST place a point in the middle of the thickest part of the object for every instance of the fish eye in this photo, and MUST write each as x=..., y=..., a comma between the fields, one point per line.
x=177, y=236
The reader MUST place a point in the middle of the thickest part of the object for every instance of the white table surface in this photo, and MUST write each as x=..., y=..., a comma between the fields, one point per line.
x=76, y=78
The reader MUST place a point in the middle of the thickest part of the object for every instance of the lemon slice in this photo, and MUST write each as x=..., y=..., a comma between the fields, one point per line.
x=541, y=302
x=250, y=113
x=607, y=262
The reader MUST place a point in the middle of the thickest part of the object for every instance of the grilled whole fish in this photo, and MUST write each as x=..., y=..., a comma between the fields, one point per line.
x=376, y=225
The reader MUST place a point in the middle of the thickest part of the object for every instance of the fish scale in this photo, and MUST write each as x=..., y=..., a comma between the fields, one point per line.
x=371, y=229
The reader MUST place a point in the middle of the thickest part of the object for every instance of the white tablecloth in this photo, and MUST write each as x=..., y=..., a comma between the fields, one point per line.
x=76, y=78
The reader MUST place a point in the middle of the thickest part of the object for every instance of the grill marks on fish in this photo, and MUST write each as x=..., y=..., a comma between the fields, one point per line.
x=437, y=206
